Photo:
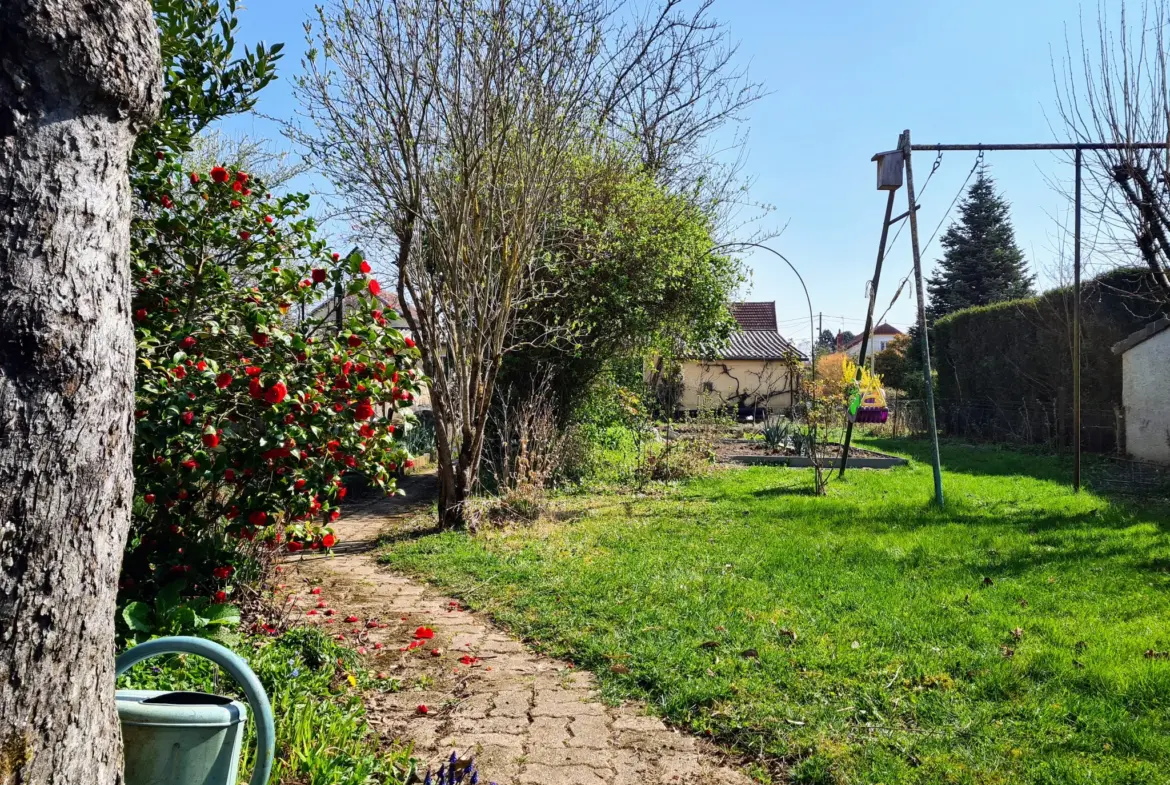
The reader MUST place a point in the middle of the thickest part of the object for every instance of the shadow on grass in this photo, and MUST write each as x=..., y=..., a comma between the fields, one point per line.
x=981, y=459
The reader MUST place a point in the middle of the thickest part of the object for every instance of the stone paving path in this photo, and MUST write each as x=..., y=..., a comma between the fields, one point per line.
x=526, y=718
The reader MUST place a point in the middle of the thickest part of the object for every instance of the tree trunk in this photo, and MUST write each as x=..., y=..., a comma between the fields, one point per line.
x=78, y=78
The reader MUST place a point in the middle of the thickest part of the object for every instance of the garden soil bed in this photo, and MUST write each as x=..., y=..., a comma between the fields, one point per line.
x=743, y=451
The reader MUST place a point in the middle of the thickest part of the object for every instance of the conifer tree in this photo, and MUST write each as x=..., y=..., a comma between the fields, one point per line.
x=982, y=263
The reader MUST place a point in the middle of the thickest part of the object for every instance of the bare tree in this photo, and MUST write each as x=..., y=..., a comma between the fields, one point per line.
x=78, y=80
x=449, y=128
x=1116, y=88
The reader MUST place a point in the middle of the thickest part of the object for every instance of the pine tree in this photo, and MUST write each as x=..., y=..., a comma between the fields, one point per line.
x=982, y=263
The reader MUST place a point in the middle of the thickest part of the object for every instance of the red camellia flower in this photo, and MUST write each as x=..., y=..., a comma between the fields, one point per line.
x=364, y=410
x=189, y=464
x=237, y=187
x=422, y=708
x=148, y=498
x=201, y=366
x=187, y=417
x=257, y=517
x=260, y=339
x=336, y=256
x=235, y=202
x=222, y=572
x=365, y=266
x=350, y=619
x=223, y=380
x=328, y=540
x=268, y=219
x=334, y=515
x=211, y=440
x=315, y=590
x=255, y=389
x=219, y=174
x=194, y=178
x=245, y=236
x=140, y=314
x=319, y=275
x=221, y=597
x=252, y=370
x=166, y=201
x=354, y=341
x=294, y=546
x=424, y=633
x=300, y=485
x=374, y=287
x=409, y=342
x=241, y=177
x=276, y=393
x=180, y=372
x=409, y=464
x=230, y=475
x=187, y=343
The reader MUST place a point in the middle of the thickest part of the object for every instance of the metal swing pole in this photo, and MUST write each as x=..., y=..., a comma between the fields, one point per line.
x=865, y=336
x=938, y=489
x=1077, y=328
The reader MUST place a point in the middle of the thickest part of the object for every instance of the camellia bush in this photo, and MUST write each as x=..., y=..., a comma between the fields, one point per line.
x=250, y=419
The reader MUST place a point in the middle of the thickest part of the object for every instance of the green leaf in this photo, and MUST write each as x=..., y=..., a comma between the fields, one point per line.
x=137, y=616
x=227, y=615
x=169, y=598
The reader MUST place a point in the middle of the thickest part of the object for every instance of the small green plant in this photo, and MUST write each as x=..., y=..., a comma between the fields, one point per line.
x=172, y=614
x=778, y=432
x=419, y=438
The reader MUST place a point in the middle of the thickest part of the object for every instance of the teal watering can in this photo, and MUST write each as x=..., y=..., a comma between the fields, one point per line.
x=191, y=738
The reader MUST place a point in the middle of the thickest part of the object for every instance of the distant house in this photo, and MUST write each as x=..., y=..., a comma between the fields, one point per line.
x=327, y=310
x=758, y=371
x=882, y=335
x=1145, y=380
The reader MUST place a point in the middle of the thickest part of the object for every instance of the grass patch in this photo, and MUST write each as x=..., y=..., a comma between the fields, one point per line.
x=322, y=737
x=866, y=637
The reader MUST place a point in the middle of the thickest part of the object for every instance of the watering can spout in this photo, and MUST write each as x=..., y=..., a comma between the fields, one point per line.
x=191, y=738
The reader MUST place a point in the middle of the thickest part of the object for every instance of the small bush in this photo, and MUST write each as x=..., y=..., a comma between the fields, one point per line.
x=677, y=459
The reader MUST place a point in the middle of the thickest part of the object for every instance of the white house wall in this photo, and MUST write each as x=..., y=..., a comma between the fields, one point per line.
x=1145, y=391
x=752, y=383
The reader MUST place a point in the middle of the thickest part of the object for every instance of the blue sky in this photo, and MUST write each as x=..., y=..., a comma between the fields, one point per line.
x=844, y=78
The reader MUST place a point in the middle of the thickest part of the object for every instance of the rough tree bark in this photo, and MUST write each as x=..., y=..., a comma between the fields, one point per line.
x=78, y=79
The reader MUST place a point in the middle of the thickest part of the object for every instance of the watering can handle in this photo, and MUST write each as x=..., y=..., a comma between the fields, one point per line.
x=237, y=668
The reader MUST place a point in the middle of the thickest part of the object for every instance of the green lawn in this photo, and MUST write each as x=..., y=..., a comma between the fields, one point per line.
x=865, y=637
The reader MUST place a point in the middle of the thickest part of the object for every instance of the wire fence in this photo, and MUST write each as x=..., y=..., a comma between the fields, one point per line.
x=1039, y=424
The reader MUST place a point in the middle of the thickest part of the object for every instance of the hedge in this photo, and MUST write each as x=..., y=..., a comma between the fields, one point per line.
x=999, y=358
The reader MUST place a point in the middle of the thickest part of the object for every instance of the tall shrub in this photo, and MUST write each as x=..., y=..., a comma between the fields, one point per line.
x=249, y=423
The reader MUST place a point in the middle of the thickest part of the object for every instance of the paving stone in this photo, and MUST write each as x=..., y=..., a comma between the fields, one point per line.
x=467, y=741
x=513, y=725
x=589, y=731
x=569, y=709
x=511, y=704
x=639, y=723
x=539, y=774
x=568, y=756
x=548, y=732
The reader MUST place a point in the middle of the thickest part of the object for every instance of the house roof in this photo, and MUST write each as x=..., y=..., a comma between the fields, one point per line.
x=759, y=345
x=755, y=316
x=1142, y=335
x=885, y=328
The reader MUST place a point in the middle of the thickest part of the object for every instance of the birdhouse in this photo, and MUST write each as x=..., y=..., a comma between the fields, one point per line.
x=889, y=170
